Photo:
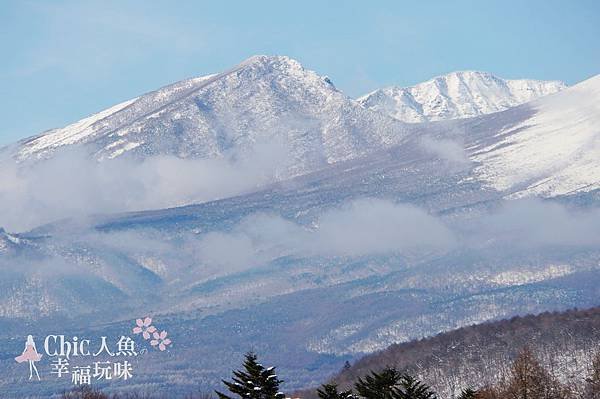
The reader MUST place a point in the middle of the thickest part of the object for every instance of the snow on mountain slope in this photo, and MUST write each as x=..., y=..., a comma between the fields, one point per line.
x=262, y=99
x=71, y=134
x=554, y=152
x=456, y=95
x=311, y=305
x=8, y=242
x=87, y=128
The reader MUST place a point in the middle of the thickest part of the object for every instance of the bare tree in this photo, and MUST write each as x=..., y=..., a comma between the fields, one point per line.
x=529, y=380
x=592, y=386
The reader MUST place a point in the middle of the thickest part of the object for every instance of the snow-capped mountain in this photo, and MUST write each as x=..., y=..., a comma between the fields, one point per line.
x=294, y=268
x=555, y=151
x=268, y=99
x=264, y=98
x=462, y=94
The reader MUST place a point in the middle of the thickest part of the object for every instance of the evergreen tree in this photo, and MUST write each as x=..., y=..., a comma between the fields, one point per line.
x=330, y=391
x=411, y=388
x=378, y=385
x=254, y=382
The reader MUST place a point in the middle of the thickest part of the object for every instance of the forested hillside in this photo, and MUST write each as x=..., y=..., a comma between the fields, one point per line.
x=482, y=355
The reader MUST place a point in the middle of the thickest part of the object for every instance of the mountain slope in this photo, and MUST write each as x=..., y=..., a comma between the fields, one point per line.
x=407, y=219
x=244, y=261
x=307, y=124
x=8, y=242
x=555, y=151
x=263, y=99
x=478, y=355
x=462, y=94
x=409, y=172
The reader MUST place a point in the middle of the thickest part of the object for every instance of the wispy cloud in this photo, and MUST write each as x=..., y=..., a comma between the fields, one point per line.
x=358, y=228
x=533, y=222
x=446, y=149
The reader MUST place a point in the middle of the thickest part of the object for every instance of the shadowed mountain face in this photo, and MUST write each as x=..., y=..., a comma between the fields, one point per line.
x=386, y=232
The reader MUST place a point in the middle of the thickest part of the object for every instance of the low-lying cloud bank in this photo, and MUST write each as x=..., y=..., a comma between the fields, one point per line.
x=536, y=223
x=362, y=227
x=72, y=185
x=377, y=227
x=117, y=262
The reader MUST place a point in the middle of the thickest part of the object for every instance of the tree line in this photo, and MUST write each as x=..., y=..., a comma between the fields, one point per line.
x=564, y=343
x=526, y=379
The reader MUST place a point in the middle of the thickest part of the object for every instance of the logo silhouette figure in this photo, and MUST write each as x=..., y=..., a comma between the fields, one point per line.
x=30, y=355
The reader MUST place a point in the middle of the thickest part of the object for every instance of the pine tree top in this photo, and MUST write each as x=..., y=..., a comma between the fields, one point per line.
x=254, y=381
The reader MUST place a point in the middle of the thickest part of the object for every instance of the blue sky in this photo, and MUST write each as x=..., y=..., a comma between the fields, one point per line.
x=63, y=60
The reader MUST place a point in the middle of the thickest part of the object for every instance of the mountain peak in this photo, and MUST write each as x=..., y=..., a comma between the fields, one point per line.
x=262, y=59
x=283, y=65
x=466, y=73
x=277, y=69
x=262, y=99
x=459, y=94
x=273, y=64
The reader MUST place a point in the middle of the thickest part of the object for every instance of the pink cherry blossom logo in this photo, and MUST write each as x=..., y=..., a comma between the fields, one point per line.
x=161, y=340
x=145, y=327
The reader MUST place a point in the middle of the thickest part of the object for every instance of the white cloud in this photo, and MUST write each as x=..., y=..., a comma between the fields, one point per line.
x=371, y=226
x=359, y=228
x=537, y=223
x=368, y=227
x=446, y=149
x=71, y=185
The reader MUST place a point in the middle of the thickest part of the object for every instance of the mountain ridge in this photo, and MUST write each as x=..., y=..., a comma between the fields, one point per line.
x=459, y=94
x=114, y=120
x=259, y=99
